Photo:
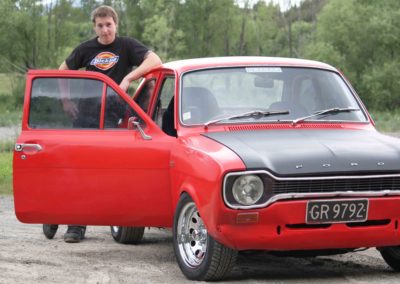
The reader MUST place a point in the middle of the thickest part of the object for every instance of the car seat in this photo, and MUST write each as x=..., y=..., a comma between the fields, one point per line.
x=168, y=119
x=198, y=105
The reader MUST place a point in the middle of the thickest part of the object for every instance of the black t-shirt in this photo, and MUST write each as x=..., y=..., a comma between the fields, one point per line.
x=114, y=60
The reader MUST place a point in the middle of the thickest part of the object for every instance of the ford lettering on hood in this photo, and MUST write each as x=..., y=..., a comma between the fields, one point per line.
x=313, y=152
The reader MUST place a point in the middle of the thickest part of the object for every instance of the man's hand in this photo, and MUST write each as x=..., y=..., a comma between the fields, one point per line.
x=125, y=84
x=151, y=61
x=70, y=108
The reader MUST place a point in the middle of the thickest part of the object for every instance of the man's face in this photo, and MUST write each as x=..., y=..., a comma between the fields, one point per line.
x=105, y=29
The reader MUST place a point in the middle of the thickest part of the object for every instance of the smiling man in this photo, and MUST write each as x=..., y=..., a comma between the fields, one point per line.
x=113, y=56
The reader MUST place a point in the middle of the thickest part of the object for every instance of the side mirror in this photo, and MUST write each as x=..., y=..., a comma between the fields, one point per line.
x=131, y=122
x=134, y=124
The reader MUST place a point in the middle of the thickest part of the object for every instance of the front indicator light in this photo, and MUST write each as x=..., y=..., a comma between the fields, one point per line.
x=247, y=218
x=248, y=189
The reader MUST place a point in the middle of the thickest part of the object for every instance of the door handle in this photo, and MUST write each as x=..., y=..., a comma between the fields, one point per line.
x=19, y=147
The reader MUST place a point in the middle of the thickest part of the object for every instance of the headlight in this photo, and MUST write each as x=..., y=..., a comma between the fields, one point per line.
x=248, y=189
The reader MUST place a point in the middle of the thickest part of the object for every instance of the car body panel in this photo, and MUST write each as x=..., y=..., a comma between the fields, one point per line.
x=334, y=151
x=81, y=176
x=117, y=177
x=281, y=227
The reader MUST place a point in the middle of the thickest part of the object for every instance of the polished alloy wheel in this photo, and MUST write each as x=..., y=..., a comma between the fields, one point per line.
x=191, y=236
x=115, y=229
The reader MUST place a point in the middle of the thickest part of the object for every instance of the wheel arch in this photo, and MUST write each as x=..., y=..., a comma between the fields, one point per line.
x=206, y=205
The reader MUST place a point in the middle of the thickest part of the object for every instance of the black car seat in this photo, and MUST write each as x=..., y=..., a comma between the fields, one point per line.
x=198, y=105
x=168, y=119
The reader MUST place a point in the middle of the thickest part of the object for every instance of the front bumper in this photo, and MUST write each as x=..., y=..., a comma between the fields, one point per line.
x=281, y=227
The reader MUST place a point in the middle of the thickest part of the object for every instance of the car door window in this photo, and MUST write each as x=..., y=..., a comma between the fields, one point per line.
x=144, y=96
x=117, y=111
x=164, y=98
x=58, y=103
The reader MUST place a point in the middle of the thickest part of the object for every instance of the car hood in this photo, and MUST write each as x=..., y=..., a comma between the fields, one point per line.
x=304, y=152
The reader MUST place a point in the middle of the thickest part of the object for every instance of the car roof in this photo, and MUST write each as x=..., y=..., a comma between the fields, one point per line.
x=182, y=66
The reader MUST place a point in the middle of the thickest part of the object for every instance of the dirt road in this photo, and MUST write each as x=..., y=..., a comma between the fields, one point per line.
x=26, y=256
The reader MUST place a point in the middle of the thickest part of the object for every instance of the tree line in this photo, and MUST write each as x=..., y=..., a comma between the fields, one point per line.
x=360, y=37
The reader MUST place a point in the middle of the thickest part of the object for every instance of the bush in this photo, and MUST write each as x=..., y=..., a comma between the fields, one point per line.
x=381, y=86
x=386, y=121
x=18, y=91
x=12, y=88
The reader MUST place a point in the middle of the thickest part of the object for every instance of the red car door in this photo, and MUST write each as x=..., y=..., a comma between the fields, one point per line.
x=77, y=161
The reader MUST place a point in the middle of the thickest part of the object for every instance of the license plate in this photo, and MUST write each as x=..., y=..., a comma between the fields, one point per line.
x=336, y=211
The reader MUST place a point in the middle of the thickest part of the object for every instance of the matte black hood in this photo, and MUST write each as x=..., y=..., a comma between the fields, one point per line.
x=305, y=151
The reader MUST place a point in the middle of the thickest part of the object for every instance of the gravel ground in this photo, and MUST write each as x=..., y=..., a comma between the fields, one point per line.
x=26, y=256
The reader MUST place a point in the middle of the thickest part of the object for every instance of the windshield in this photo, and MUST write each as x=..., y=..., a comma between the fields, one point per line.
x=283, y=93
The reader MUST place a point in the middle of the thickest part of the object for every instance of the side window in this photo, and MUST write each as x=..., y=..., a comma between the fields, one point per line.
x=117, y=111
x=143, y=98
x=164, y=98
x=58, y=103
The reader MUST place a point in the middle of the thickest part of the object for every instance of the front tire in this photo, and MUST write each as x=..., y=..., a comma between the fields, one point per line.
x=127, y=235
x=391, y=255
x=199, y=256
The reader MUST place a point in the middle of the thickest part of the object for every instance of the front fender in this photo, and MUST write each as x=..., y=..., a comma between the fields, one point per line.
x=199, y=171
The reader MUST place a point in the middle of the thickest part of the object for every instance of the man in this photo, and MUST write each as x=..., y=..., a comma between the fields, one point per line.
x=113, y=56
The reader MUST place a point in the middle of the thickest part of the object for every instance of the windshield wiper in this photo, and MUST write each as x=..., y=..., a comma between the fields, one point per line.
x=254, y=113
x=333, y=110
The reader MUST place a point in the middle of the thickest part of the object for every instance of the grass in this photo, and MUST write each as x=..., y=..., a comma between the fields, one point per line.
x=11, y=98
x=6, y=156
x=10, y=117
x=5, y=84
x=6, y=172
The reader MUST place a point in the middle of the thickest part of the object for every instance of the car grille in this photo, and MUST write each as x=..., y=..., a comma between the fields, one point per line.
x=335, y=185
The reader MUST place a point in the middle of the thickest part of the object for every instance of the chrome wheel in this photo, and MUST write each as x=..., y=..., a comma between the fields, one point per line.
x=115, y=229
x=199, y=256
x=191, y=236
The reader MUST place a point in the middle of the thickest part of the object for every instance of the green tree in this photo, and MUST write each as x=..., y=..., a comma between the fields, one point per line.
x=62, y=31
x=269, y=37
x=362, y=39
x=160, y=29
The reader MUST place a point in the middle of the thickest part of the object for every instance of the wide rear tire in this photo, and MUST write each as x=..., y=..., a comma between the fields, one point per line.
x=127, y=235
x=199, y=256
x=391, y=255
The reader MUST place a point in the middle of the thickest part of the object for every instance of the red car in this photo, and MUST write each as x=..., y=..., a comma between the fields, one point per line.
x=235, y=153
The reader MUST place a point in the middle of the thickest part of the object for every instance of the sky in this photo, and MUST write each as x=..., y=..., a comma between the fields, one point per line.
x=284, y=4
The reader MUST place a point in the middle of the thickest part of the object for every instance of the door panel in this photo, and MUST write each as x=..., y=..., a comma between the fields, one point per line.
x=93, y=177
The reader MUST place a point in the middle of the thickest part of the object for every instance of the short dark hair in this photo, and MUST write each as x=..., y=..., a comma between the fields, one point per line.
x=104, y=11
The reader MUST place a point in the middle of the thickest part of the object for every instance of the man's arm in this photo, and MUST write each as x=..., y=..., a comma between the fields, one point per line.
x=63, y=66
x=152, y=60
x=69, y=106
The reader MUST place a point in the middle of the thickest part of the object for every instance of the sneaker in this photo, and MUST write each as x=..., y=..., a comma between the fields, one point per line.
x=49, y=230
x=74, y=234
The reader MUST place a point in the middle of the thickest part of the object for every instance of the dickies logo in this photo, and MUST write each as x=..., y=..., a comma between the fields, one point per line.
x=105, y=60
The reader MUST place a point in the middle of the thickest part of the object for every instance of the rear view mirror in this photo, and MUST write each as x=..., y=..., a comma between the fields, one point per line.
x=264, y=82
x=134, y=124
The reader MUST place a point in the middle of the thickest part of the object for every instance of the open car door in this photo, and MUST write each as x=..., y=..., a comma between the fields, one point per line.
x=87, y=154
